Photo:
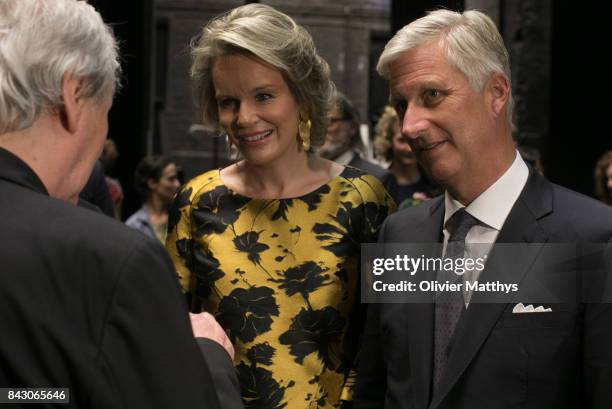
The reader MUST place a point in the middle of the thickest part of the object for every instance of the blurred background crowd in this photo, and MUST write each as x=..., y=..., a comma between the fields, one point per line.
x=554, y=47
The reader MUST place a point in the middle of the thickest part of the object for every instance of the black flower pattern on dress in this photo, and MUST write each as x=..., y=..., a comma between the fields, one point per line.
x=374, y=215
x=281, y=211
x=259, y=389
x=316, y=331
x=342, y=236
x=313, y=198
x=202, y=263
x=261, y=354
x=181, y=200
x=246, y=313
x=216, y=210
x=304, y=279
x=249, y=243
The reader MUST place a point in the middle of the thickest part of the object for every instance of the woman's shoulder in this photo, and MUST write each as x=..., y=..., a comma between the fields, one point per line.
x=364, y=186
x=201, y=184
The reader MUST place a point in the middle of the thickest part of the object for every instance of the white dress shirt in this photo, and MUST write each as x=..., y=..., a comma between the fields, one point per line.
x=491, y=208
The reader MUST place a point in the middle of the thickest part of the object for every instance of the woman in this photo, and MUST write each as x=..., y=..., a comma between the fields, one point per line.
x=409, y=185
x=270, y=244
x=603, y=178
x=156, y=179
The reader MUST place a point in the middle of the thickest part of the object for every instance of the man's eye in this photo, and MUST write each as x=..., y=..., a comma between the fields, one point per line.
x=262, y=97
x=400, y=108
x=432, y=96
x=228, y=103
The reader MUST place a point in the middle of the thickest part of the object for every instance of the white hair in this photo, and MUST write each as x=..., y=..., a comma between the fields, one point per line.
x=40, y=42
x=471, y=40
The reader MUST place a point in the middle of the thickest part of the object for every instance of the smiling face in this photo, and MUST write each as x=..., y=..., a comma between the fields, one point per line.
x=256, y=109
x=450, y=126
x=402, y=153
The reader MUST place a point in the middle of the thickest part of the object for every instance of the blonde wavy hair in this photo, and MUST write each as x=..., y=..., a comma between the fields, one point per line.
x=384, y=130
x=276, y=39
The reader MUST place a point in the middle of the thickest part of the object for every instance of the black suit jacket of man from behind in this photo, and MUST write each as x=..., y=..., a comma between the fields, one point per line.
x=500, y=360
x=90, y=305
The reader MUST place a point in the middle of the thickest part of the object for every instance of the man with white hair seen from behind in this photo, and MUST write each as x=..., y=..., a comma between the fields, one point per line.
x=85, y=303
x=449, y=79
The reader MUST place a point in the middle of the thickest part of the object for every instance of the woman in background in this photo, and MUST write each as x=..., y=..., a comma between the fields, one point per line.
x=409, y=185
x=156, y=180
x=603, y=178
x=270, y=245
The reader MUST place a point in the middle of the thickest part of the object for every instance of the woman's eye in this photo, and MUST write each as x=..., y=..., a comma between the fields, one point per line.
x=262, y=97
x=227, y=103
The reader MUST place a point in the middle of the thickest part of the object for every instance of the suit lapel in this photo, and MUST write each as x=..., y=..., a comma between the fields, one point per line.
x=521, y=226
x=421, y=316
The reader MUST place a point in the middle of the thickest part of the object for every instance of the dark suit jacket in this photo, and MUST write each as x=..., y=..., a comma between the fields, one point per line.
x=561, y=359
x=96, y=191
x=91, y=305
x=382, y=174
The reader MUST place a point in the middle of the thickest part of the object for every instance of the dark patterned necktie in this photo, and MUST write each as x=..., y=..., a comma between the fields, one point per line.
x=449, y=305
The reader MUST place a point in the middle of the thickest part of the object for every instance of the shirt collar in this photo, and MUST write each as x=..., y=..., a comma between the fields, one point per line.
x=345, y=158
x=493, y=205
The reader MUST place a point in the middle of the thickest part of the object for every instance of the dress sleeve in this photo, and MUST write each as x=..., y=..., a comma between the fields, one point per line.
x=377, y=204
x=179, y=241
x=147, y=349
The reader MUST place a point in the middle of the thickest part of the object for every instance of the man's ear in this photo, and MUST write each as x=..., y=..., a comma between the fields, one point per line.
x=72, y=110
x=498, y=89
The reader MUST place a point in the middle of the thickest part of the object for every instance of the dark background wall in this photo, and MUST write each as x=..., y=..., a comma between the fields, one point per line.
x=556, y=47
x=129, y=117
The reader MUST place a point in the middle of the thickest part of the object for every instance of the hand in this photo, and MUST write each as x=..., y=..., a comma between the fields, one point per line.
x=204, y=325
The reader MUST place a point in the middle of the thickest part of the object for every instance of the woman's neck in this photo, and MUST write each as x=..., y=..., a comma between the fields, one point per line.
x=284, y=179
x=157, y=206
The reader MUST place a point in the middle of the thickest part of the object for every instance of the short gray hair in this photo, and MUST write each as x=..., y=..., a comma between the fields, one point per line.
x=40, y=42
x=276, y=39
x=471, y=41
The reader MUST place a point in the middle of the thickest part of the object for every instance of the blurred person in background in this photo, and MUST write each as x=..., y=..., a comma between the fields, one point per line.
x=156, y=180
x=343, y=142
x=109, y=157
x=96, y=193
x=86, y=304
x=271, y=244
x=603, y=178
x=408, y=183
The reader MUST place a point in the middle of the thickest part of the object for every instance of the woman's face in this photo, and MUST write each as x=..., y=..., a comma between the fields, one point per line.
x=168, y=184
x=256, y=108
x=609, y=178
x=402, y=153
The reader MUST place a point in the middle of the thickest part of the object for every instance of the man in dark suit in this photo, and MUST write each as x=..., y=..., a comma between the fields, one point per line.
x=85, y=302
x=449, y=80
x=343, y=141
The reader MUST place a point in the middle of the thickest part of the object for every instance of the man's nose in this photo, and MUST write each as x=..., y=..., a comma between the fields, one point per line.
x=414, y=122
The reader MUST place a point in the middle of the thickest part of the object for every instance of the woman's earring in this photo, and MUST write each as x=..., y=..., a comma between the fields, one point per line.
x=304, y=131
x=232, y=151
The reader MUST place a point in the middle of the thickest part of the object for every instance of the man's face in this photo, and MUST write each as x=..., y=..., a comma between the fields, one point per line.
x=338, y=136
x=447, y=123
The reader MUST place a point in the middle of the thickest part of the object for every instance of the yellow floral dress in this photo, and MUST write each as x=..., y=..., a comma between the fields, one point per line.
x=282, y=277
